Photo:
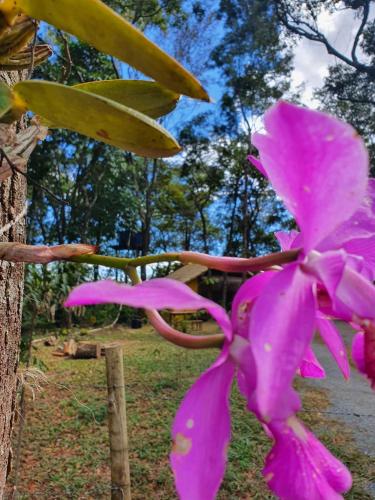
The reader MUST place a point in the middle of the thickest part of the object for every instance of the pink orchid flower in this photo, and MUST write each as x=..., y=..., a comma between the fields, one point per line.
x=357, y=237
x=319, y=167
x=201, y=429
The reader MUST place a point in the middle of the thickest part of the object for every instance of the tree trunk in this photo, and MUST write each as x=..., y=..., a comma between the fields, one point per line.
x=18, y=141
x=12, y=202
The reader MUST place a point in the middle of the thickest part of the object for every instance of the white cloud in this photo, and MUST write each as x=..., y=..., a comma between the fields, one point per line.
x=311, y=59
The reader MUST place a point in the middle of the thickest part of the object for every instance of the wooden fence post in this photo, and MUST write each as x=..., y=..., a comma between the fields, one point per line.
x=118, y=435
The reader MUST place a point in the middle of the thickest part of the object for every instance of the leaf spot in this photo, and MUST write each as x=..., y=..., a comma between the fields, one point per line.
x=190, y=423
x=269, y=477
x=181, y=445
x=103, y=133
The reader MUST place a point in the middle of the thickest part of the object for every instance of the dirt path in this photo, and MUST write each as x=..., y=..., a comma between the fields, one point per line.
x=352, y=402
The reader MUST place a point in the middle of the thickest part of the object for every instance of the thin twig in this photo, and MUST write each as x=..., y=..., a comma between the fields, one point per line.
x=69, y=62
x=15, y=169
x=32, y=62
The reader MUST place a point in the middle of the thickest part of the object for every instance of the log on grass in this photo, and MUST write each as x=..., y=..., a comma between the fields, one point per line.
x=70, y=347
x=51, y=341
x=87, y=351
x=59, y=354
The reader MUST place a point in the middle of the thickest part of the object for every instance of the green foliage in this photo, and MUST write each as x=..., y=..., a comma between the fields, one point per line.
x=46, y=289
x=349, y=95
x=104, y=189
x=254, y=59
x=87, y=413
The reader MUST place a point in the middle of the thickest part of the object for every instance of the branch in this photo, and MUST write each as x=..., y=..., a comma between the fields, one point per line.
x=68, y=58
x=304, y=29
x=18, y=252
x=15, y=169
x=366, y=11
x=225, y=264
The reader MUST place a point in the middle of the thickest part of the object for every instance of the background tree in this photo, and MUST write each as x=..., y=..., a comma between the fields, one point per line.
x=256, y=64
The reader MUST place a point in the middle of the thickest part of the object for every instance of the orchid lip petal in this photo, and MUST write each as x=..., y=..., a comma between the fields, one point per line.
x=299, y=466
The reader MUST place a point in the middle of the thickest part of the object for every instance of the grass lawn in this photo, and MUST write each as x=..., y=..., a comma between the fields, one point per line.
x=65, y=443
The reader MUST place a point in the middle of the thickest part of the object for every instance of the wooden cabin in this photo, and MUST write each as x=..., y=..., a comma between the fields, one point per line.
x=215, y=285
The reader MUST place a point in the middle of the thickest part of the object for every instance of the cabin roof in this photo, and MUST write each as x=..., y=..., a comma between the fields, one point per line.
x=188, y=273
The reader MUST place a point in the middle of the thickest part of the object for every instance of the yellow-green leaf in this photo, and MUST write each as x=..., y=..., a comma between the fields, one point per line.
x=148, y=98
x=11, y=107
x=98, y=25
x=97, y=117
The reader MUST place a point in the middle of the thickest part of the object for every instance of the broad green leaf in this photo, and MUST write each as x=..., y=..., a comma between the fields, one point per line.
x=98, y=25
x=148, y=98
x=97, y=117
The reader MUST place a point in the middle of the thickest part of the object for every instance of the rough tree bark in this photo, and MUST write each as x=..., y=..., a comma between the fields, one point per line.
x=18, y=141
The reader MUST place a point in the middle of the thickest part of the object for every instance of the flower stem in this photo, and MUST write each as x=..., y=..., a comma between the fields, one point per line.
x=125, y=263
x=173, y=335
x=225, y=264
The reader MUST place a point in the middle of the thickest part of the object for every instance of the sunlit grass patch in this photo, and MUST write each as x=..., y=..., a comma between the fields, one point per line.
x=65, y=447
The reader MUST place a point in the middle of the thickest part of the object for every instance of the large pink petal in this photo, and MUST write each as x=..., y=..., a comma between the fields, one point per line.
x=244, y=300
x=300, y=467
x=309, y=158
x=281, y=327
x=360, y=226
x=161, y=293
x=329, y=269
x=310, y=366
x=257, y=164
x=334, y=343
x=201, y=434
x=246, y=372
x=240, y=348
x=357, y=294
x=287, y=240
x=364, y=247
